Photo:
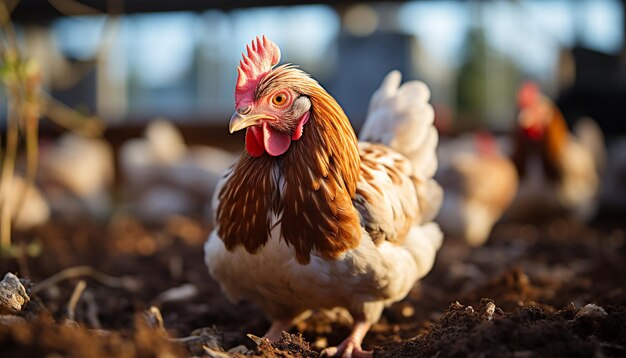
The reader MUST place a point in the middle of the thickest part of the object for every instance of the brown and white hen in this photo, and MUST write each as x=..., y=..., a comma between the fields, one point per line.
x=558, y=170
x=309, y=218
x=480, y=183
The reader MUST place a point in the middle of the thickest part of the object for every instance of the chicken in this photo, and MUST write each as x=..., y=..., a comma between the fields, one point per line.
x=480, y=184
x=309, y=218
x=559, y=171
x=28, y=199
x=77, y=176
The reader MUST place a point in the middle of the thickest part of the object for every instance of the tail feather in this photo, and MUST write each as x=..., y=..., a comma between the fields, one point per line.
x=423, y=159
x=401, y=118
x=388, y=88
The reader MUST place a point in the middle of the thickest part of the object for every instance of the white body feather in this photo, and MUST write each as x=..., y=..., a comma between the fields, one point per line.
x=479, y=187
x=363, y=280
x=402, y=118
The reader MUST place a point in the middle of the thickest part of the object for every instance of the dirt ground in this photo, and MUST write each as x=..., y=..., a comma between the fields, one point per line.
x=524, y=294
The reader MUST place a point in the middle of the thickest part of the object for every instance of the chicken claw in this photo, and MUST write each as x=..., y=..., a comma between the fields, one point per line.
x=351, y=346
x=276, y=330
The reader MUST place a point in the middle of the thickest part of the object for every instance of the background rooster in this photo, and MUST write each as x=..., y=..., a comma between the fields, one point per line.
x=559, y=171
x=310, y=219
x=480, y=183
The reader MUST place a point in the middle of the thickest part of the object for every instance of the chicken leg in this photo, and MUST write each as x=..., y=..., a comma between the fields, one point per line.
x=276, y=329
x=351, y=346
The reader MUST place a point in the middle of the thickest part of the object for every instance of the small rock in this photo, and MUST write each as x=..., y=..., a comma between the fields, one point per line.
x=591, y=311
x=456, y=306
x=490, y=309
x=13, y=294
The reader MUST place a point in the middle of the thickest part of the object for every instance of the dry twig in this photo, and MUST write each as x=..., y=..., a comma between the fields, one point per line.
x=124, y=282
x=78, y=292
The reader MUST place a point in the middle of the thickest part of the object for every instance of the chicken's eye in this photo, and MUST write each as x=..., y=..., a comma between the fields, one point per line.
x=279, y=99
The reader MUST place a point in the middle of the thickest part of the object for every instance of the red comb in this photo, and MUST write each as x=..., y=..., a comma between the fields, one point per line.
x=263, y=54
x=528, y=94
x=485, y=143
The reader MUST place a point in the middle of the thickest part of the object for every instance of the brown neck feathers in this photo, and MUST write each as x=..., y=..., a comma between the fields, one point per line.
x=550, y=147
x=245, y=203
x=320, y=173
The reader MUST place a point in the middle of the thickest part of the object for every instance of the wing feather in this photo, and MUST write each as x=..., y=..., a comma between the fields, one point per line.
x=398, y=155
x=386, y=195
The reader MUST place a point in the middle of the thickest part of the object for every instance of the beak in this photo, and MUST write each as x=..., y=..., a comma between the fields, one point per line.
x=240, y=121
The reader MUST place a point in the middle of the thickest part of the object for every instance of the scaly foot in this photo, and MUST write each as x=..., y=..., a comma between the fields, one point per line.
x=276, y=330
x=349, y=348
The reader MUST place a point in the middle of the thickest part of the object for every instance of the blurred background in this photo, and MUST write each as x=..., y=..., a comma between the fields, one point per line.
x=114, y=132
x=130, y=62
x=178, y=59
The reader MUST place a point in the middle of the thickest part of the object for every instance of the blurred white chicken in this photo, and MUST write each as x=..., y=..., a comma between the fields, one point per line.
x=558, y=170
x=77, y=175
x=479, y=183
x=33, y=209
x=164, y=176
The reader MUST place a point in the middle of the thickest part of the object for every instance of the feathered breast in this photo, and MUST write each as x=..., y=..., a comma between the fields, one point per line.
x=309, y=189
x=549, y=149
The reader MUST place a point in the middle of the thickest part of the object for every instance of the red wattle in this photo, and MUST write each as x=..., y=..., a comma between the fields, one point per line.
x=533, y=132
x=265, y=139
x=276, y=143
x=254, y=141
x=300, y=128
